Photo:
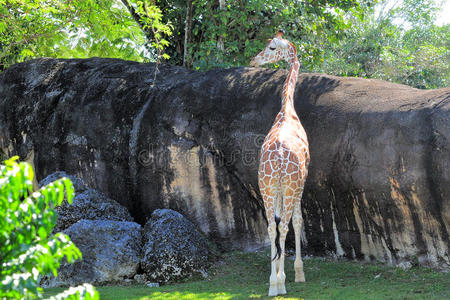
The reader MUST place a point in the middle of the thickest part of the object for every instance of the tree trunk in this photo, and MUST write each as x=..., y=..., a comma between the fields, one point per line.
x=220, y=42
x=187, y=33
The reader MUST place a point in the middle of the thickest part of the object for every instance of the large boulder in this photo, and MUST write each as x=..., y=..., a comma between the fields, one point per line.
x=111, y=253
x=378, y=184
x=173, y=248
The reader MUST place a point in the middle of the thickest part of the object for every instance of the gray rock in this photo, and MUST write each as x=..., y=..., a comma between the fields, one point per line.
x=127, y=282
x=90, y=205
x=153, y=284
x=78, y=184
x=140, y=278
x=405, y=265
x=87, y=204
x=111, y=253
x=173, y=248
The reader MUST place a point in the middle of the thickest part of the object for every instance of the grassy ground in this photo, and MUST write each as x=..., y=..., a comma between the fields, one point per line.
x=246, y=276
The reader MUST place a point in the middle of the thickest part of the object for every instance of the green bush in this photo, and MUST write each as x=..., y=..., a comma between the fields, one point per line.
x=28, y=250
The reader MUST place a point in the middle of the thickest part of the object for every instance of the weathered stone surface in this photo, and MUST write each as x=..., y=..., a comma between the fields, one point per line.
x=111, y=252
x=173, y=248
x=378, y=185
x=78, y=184
x=87, y=204
x=90, y=205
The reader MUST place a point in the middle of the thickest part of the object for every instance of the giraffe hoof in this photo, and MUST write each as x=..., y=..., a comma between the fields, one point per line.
x=300, y=278
x=273, y=290
x=281, y=290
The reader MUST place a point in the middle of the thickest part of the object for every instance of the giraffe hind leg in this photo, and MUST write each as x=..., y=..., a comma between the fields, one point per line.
x=284, y=228
x=281, y=274
x=297, y=222
x=273, y=281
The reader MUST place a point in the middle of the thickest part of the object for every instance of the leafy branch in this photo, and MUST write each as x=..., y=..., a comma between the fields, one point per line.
x=149, y=17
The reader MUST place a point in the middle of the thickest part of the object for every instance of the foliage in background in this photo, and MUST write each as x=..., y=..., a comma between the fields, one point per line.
x=66, y=29
x=139, y=30
x=150, y=19
x=414, y=52
x=28, y=250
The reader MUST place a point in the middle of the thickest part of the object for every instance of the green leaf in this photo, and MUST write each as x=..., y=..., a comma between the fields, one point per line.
x=42, y=233
x=69, y=189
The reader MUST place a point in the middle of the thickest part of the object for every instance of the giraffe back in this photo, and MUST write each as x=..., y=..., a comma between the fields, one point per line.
x=284, y=159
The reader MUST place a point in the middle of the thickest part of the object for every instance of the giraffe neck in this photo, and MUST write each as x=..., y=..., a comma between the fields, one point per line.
x=287, y=102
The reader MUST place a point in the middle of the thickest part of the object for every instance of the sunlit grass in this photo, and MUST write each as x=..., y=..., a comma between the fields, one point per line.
x=246, y=276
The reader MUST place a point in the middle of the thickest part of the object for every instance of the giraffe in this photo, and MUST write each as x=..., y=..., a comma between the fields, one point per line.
x=283, y=167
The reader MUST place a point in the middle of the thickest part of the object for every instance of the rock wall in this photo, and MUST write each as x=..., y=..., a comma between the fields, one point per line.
x=378, y=185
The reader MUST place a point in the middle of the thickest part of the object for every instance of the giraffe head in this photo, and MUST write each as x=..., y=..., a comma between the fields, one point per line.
x=276, y=49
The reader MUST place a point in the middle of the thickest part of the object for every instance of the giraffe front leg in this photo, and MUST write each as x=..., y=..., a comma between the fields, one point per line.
x=297, y=222
x=273, y=289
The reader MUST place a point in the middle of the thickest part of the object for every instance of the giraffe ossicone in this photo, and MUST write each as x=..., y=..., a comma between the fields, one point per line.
x=283, y=167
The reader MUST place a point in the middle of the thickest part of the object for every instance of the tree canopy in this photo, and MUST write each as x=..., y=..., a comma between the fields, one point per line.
x=398, y=43
x=366, y=38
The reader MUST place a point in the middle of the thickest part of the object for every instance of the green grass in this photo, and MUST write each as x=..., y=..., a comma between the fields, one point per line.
x=246, y=276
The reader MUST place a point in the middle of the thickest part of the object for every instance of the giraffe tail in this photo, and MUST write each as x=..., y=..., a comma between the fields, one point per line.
x=277, y=239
